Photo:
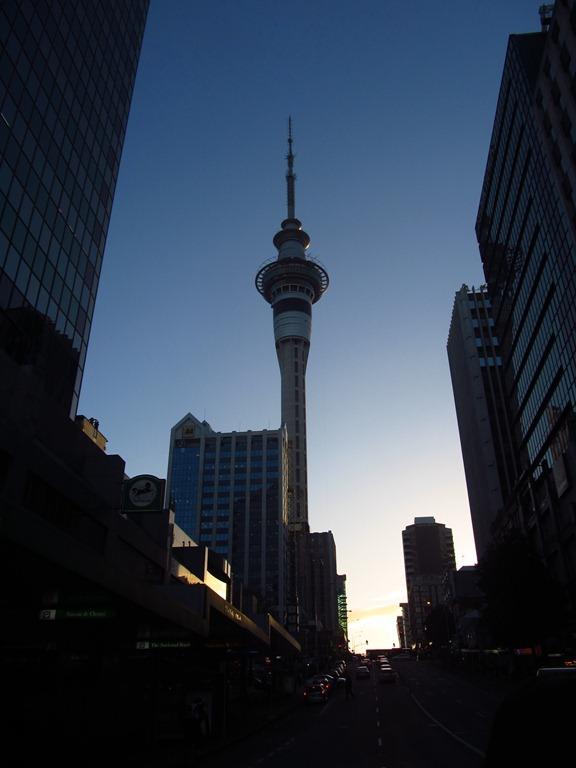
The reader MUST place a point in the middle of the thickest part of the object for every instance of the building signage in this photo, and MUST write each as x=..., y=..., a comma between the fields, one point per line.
x=144, y=645
x=51, y=614
x=143, y=493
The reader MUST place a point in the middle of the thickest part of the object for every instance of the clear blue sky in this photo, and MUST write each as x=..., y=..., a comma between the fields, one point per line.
x=392, y=106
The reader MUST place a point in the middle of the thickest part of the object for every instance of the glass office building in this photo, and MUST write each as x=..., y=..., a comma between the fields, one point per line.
x=228, y=492
x=526, y=229
x=67, y=72
x=526, y=233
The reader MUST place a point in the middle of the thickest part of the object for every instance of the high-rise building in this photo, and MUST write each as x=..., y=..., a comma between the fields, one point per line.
x=67, y=72
x=228, y=492
x=526, y=230
x=324, y=580
x=428, y=555
x=291, y=284
x=479, y=397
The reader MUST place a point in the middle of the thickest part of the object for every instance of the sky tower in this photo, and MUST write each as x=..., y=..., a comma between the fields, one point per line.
x=291, y=284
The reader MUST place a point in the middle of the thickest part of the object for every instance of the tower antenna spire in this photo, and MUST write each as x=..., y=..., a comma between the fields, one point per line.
x=290, y=177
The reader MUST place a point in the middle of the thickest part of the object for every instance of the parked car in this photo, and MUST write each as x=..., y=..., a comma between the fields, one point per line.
x=315, y=694
x=328, y=681
x=362, y=671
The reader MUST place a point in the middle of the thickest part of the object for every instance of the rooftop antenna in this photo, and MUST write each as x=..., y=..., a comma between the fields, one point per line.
x=290, y=177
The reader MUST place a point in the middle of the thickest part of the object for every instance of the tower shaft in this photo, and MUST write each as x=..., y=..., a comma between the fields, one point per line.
x=292, y=358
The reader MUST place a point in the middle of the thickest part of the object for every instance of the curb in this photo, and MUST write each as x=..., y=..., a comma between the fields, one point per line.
x=250, y=731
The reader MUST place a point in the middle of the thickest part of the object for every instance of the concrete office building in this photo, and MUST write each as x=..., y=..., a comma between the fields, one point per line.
x=479, y=396
x=428, y=555
x=67, y=73
x=229, y=493
x=526, y=230
x=324, y=581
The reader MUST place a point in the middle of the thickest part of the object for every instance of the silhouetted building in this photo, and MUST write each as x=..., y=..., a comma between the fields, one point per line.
x=324, y=580
x=465, y=600
x=526, y=229
x=428, y=554
x=403, y=627
x=229, y=493
x=66, y=83
x=102, y=601
x=479, y=397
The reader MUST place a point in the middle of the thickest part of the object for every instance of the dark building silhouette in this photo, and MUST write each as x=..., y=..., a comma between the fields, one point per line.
x=67, y=73
x=428, y=555
x=526, y=229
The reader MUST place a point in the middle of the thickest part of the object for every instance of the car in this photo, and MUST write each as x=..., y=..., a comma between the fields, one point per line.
x=387, y=675
x=316, y=693
x=402, y=657
x=362, y=671
x=556, y=673
x=328, y=681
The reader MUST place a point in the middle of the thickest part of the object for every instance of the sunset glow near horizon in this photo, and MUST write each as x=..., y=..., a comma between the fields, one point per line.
x=392, y=110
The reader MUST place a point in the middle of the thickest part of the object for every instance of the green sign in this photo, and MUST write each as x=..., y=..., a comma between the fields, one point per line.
x=76, y=613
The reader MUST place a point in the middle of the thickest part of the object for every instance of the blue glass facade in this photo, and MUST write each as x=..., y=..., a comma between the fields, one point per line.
x=228, y=492
x=185, y=484
x=528, y=249
x=67, y=72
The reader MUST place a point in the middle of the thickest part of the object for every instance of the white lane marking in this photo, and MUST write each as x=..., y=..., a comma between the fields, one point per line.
x=481, y=714
x=377, y=723
x=379, y=742
x=448, y=731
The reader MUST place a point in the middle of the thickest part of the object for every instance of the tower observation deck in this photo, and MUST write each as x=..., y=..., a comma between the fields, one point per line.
x=291, y=284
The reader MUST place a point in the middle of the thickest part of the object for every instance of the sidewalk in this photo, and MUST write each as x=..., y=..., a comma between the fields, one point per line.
x=244, y=721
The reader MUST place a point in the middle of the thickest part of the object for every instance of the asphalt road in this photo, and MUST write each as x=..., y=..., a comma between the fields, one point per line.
x=429, y=719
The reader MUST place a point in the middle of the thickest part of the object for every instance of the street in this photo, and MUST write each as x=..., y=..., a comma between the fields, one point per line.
x=429, y=719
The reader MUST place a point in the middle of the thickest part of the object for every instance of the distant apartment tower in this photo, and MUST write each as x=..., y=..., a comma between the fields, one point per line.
x=479, y=397
x=526, y=230
x=228, y=491
x=428, y=554
x=66, y=79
